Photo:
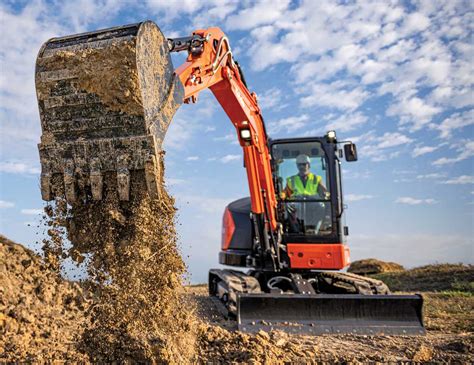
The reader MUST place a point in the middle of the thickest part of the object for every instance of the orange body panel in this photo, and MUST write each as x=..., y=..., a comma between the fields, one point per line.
x=333, y=256
x=228, y=228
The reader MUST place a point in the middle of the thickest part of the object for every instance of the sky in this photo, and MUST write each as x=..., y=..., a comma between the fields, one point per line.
x=396, y=77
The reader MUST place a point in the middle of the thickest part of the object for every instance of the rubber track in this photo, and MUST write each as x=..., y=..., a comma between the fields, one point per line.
x=374, y=285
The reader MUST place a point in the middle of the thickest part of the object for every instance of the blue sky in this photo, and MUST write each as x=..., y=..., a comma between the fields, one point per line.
x=395, y=77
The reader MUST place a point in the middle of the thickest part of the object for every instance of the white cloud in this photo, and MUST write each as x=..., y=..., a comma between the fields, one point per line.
x=32, y=211
x=357, y=197
x=414, y=111
x=393, y=139
x=289, y=124
x=5, y=204
x=460, y=180
x=229, y=158
x=262, y=12
x=192, y=158
x=385, y=48
x=423, y=150
x=272, y=100
x=12, y=167
x=337, y=95
x=348, y=122
x=455, y=121
x=414, y=201
x=465, y=151
x=435, y=175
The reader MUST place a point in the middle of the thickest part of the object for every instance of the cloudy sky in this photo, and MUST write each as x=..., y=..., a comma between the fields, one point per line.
x=395, y=77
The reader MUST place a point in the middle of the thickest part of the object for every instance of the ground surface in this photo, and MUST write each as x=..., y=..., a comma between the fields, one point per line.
x=41, y=317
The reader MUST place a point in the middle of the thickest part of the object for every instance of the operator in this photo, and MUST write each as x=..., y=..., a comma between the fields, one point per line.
x=305, y=183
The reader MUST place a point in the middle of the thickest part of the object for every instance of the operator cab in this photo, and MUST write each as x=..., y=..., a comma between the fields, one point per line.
x=310, y=214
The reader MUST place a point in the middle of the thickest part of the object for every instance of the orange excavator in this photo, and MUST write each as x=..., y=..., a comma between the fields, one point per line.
x=106, y=99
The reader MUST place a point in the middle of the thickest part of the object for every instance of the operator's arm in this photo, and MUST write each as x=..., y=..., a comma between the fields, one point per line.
x=322, y=191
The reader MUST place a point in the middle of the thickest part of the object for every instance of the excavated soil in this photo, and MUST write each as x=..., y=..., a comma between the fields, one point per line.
x=373, y=266
x=135, y=274
x=113, y=78
x=41, y=314
x=44, y=317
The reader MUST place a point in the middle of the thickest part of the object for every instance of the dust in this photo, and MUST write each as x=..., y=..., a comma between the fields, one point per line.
x=135, y=274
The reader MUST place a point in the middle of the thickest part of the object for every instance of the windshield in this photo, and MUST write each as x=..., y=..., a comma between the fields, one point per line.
x=303, y=188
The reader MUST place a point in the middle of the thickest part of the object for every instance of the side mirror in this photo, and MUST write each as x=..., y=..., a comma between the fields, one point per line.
x=350, y=151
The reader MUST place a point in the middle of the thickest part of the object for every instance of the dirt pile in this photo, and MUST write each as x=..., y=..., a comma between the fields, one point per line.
x=450, y=338
x=40, y=313
x=431, y=278
x=135, y=274
x=373, y=266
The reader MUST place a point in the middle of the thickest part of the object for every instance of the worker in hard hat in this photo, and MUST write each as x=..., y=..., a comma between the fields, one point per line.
x=306, y=217
x=305, y=183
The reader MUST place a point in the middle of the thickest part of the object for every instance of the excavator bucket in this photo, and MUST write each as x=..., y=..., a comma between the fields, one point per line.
x=331, y=314
x=106, y=99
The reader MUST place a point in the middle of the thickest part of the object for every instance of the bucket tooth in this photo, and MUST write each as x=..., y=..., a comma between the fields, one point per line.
x=46, y=186
x=151, y=176
x=123, y=178
x=69, y=181
x=96, y=179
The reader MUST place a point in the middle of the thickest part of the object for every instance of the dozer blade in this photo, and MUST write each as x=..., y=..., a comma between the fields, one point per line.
x=106, y=99
x=331, y=314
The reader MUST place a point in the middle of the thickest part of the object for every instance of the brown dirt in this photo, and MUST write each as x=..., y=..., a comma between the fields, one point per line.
x=440, y=277
x=134, y=272
x=450, y=338
x=40, y=313
x=373, y=266
x=111, y=75
x=48, y=324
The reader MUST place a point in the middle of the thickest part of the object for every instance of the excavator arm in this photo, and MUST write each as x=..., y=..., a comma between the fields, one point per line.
x=210, y=65
x=106, y=99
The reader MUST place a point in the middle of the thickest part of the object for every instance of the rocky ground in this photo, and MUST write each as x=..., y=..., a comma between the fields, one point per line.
x=42, y=318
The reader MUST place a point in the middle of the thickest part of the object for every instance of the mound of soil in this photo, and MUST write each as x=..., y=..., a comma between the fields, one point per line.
x=373, y=266
x=40, y=313
x=220, y=343
x=431, y=278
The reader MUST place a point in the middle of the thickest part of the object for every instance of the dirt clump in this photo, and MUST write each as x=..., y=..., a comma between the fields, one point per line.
x=373, y=266
x=40, y=313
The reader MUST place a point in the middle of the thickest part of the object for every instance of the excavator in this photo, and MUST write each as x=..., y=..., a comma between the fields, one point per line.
x=106, y=99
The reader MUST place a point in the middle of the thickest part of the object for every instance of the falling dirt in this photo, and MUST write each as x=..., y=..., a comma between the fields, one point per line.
x=135, y=275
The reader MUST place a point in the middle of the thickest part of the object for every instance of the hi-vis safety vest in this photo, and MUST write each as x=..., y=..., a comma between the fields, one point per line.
x=295, y=184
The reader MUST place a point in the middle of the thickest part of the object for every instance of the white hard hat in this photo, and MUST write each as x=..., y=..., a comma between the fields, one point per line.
x=302, y=159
